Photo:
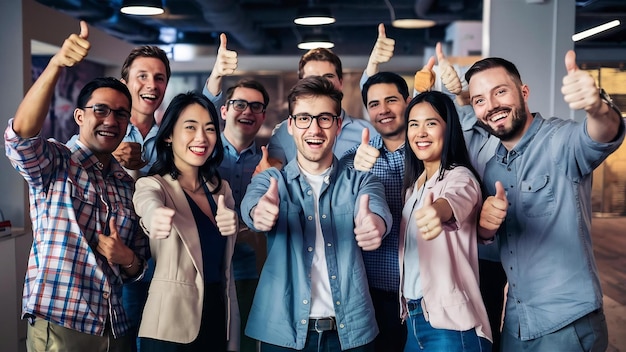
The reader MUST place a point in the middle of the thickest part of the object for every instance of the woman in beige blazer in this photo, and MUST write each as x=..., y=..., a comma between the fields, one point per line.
x=186, y=210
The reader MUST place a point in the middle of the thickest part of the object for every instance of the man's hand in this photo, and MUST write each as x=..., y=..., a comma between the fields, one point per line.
x=427, y=219
x=579, y=88
x=129, y=155
x=161, y=223
x=74, y=48
x=369, y=228
x=113, y=248
x=366, y=155
x=225, y=218
x=266, y=162
x=494, y=210
x=425, y=78
x=381, y=53
x=449, y=77
x=225, y=65
x=265, y=213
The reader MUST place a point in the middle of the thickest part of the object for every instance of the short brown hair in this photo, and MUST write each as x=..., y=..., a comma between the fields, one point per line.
x=146, y=51
x=320, y=54
x=314, y=86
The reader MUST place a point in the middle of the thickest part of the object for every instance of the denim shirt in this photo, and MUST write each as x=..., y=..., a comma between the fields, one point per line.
x=545, y=241
x=281, y=307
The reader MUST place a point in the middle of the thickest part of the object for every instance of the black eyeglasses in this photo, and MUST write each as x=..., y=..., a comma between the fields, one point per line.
x=102, y=110
x=241, y=105
x=303, y=120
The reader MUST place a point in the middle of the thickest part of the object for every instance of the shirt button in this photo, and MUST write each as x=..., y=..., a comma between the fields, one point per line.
x=310, y=218
x=333, y=277
x=338, y=303
x=329, y=244
x=305, y=301
x=309, y=192
x=510, y=268
x=323, y=216
x=303, y=322
x=342, y=326
x=310, y=249
x=508, y=168
x=105, y=295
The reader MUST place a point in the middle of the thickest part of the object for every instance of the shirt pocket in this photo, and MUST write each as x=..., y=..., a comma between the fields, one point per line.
x=537, y=197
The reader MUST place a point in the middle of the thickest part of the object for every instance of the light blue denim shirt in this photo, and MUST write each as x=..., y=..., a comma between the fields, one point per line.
x=281, y=307
x=134, y=135
x=545, y=241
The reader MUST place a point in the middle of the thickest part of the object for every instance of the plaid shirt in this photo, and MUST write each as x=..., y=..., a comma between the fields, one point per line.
x=382, y=268
x=67, y=281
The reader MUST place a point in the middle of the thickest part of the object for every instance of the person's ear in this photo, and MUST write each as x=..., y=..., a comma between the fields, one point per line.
x=79, y=116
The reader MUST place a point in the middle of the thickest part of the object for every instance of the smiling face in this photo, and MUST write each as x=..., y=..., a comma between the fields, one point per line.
x=147, y=81
x=102, y=135
x=426, y=134
x=386, y=107
x=193, y=138
x=500, y=103
x=314, y=144
x=242, y=126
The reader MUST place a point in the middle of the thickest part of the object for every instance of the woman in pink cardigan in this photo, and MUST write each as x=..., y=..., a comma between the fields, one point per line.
x=440, y=295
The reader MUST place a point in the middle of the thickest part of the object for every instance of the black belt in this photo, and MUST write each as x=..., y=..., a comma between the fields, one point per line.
x=414, y=304
x=322, y=324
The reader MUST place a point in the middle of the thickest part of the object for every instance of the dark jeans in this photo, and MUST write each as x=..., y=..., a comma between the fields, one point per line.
x=328, y=343
x=134, y=296
x=492, y=282
x=245, y=295
x=392, y=335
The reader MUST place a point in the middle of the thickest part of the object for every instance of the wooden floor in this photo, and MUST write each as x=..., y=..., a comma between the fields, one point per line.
x=609, y=245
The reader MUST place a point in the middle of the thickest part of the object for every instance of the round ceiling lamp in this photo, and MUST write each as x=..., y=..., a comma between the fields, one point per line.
x=313, y=41
x=314, y=16
x=142, y=7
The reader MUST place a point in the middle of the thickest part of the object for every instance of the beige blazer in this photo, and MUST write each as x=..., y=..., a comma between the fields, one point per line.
x=174, y=306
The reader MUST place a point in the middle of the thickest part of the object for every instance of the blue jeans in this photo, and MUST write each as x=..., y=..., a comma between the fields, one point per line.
x=423, y=337
x=328, y=343
x=134, y=296
x=588, y=333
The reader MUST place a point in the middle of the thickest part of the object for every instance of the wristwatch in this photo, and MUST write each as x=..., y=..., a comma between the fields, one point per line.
x=607, y=99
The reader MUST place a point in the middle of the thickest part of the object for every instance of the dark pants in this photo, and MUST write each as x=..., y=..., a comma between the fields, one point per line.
x=329, y=342
x=245, y=295
x=392, y=335
x=492, y=282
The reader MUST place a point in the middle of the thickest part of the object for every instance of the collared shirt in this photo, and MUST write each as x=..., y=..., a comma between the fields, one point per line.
x=68, y=282
x=382, y=264
x=148, y=150
x=237, y=168
x=281, y=308
x=545, y=241
x=283, y=147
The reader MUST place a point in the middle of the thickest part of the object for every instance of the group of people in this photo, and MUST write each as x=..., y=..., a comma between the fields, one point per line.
x=369, y=232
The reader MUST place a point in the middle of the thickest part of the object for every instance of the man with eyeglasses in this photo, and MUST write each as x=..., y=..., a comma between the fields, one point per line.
x=87, y=240
x=319, y=215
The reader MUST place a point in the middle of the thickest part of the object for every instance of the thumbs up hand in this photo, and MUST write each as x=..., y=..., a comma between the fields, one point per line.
x=225, y=218
x=579, y=88
x=112, y=246
x=266, y=162
x=382, y=51
x=265, y=213
x=161, y=223
x=425, y=78
x=366, y=155
x=226, y=61
x=449, y=77
x=493, y=212
x=74, y=49
x=427, y=219
x=369, y=228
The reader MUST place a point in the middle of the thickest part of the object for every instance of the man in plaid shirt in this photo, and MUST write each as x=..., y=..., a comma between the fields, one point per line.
x=87, y=241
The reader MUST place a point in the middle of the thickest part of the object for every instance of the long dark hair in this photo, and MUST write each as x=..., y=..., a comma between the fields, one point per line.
x=165, y=157
x=454, y=151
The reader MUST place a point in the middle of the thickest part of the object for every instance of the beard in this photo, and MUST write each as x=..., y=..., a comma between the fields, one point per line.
x=518, y=122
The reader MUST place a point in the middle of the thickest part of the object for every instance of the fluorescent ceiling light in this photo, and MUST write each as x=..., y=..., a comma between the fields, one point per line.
x=314, y=16
x=412, y=23
x=142, y=7
x=595, y=30
x=314, y=41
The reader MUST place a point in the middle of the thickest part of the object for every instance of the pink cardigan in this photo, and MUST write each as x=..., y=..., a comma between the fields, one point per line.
x=449, y=263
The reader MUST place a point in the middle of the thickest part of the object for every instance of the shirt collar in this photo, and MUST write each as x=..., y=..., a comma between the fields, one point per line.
x=85, y=157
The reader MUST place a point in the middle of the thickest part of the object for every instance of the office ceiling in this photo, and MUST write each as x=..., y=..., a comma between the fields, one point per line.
x=265, y=27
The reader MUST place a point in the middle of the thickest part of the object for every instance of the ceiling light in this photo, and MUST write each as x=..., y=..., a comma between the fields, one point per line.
x=313, y=41
x=595, y=30
x=412, y=23
x=142, y=7
x=313, y=16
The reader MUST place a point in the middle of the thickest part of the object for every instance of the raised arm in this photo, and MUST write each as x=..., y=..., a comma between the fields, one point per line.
x=225, y=65
x=33, y=109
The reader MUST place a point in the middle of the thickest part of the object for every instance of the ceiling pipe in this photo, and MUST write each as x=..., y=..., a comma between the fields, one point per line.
x=227, y=16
